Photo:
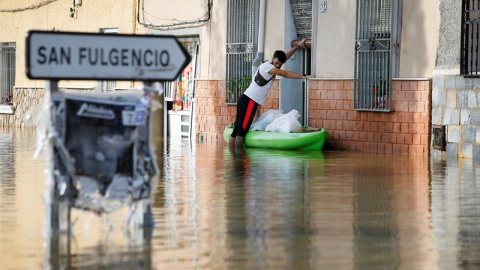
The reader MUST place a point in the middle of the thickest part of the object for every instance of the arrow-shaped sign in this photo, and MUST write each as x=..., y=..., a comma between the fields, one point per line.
x=89, y=56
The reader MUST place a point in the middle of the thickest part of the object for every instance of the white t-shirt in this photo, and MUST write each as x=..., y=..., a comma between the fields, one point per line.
x=259, y=93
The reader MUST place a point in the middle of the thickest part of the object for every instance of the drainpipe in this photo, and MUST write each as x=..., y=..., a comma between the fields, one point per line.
x=261, y=30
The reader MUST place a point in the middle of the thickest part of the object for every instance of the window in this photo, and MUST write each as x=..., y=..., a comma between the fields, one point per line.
x=470, y=37
x=240, y=39
x=373, y=63
x=108, y=85
x=7, y=72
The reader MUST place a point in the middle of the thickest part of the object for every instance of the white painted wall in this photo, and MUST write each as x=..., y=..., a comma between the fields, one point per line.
x=421, y=22
x=335, y=35
x=335, y=42
x=91, y=16
x=274, y=27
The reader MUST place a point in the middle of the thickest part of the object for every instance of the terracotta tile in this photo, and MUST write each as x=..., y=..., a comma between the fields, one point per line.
x=388, y=148
x=396, y=148
x=381, y=148
x=416, y=139
x=320, y=85
x=386, y=137
x=408, y=139
x=421, y=86
x=393, y=138
x=397, y=86
x=424, y=139
x=328, y=85
x=414, y=85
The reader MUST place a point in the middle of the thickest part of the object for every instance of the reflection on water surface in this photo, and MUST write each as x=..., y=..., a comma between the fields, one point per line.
x=259, y=209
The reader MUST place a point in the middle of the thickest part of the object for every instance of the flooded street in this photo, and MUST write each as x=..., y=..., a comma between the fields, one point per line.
x=261, y=209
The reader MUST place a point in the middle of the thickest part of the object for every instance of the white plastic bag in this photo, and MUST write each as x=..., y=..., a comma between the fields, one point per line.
x=265, y=119
x=285, y=123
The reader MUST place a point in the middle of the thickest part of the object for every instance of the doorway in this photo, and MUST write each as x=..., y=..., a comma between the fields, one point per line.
x=179, y=95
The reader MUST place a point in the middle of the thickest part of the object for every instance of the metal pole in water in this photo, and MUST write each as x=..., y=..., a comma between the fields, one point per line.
x=57, y=211
x=57, y=217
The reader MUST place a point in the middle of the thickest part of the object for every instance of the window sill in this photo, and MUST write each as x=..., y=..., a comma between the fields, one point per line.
x=7, y=109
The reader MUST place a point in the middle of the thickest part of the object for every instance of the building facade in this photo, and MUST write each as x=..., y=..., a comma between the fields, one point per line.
x=376, y=63
x=340, y=97
x=20, y=94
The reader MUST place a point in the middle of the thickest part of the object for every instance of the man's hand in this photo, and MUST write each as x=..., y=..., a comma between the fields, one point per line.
x=301, y=44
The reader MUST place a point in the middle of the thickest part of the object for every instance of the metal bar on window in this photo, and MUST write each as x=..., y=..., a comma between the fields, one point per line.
x=240, y=39
x=476, y=41
x=7, y=71
x=376, y=74
x=463, y=53
x=471, y=41
x=362, y=19
x=372, y=81
x=470, y=37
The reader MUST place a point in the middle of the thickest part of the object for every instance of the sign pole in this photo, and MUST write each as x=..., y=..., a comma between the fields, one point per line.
x=51, y=219
x=58, y=209
x=57, y=217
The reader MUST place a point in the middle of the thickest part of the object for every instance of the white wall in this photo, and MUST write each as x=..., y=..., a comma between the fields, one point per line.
x=91, y=16
x=419, y=38
x=336, y=40
x=274, y=27
x=335, y=53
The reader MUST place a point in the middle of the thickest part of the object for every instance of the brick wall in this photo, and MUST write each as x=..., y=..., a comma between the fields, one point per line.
x=212, y=112
x=24, y=99
x=6, y=120
x=405, y=130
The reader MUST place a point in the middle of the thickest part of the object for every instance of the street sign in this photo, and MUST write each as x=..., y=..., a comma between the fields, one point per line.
x=90, y=56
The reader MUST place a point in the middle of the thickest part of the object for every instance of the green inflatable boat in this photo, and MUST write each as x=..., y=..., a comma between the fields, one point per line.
x=306, y=138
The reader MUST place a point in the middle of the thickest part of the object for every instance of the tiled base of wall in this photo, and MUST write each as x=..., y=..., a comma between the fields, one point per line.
x=455, y=105
x=24, y=99
x=6, y=120
x=404, y=130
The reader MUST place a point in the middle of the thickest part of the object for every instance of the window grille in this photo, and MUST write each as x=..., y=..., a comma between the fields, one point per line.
x=7, y=71
x=470, y=37
x=108, y=85
x=240, y=51
x=373, y=38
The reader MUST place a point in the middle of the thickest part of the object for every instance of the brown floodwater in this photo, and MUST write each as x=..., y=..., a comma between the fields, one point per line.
x=260, y=209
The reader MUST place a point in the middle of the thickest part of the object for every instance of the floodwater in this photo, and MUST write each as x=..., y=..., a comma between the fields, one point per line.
x=260, y=209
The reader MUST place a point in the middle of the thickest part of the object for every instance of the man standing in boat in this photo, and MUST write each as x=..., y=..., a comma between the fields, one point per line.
x=257, y=92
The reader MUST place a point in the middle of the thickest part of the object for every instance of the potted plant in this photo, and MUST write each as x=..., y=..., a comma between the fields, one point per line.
x=380, y=92
x=236, y=86
x=8, y=99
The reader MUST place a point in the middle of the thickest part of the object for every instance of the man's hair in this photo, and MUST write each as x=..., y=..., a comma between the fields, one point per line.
x=282, y=57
